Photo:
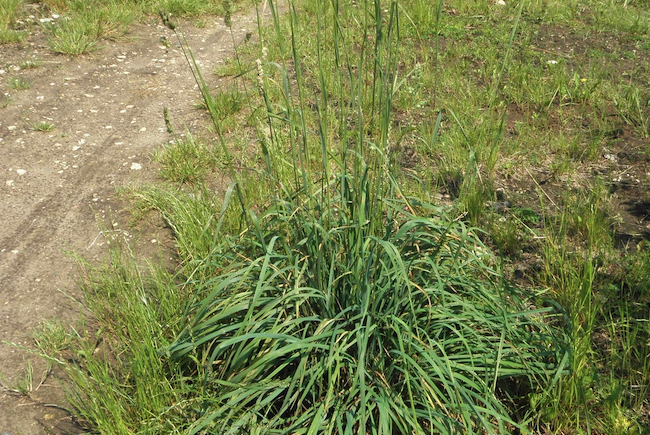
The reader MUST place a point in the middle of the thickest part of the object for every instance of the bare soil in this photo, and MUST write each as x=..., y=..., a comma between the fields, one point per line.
x=58, y=188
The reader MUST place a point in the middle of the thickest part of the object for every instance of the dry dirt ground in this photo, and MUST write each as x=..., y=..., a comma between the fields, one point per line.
x=57, y=186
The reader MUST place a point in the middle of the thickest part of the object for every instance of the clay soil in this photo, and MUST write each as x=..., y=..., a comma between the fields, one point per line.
x=58, y=187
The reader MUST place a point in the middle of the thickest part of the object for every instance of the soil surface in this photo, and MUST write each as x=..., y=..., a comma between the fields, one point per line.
x=58, y=187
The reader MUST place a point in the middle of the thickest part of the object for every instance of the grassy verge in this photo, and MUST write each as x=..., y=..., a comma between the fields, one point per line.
x=341, y=285
x=75, y=27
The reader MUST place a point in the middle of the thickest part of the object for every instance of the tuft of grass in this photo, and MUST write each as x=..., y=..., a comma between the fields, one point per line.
x=337, y=318
x=43, y=126
x=81, y=30
x=72, y=37
x=30, y=64
x=138, y=315
x=9, y=10
x=6, y=101
x=186, y=160
x=190, y=7
x=20, y=83
x=8, y=36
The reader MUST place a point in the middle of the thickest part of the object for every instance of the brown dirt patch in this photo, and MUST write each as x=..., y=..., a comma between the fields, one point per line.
x=108, y=111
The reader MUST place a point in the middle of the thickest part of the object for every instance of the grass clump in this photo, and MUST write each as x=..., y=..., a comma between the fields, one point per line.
x=186, y=160
x=20, y=83
x=9, y=12
x=114, y=356
x=43, y=126
x=84, y=25
x=348, y=313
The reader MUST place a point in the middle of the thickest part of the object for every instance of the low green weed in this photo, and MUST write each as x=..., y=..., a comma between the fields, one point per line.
x=6, y=101
x=43, y=126
x=20, y=83
x=30, y=64
x=186, y=160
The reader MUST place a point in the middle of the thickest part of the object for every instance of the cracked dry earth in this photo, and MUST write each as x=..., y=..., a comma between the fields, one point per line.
x=56, y=186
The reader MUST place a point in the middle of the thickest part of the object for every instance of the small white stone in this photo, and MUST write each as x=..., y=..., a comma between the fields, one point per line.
x=21, y=171
x=143, y=129
x=136, y=166
x=9, y=183
x=15, y=251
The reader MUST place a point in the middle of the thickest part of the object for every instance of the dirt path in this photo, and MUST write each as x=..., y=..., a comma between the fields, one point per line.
x=107, y=109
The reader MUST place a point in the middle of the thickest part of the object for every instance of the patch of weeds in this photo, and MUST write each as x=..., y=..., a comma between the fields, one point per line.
x=226, y=104
x=51, y=336
x=186, y=160
x=5, y=101
x=9, y=10
x=506, y=234
x=189, y=7
x=8, y=36
x=230, y=68
x=72, y=37
x=645, y=46
x=83, y=27
x=20, y=83
x=527, y=216
x=43, y=126
x=587, y=217
x=512, y=227
x=57, y=5
x=26, y=383
x=633, y=105
x=30, y=64
x=122, y=355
